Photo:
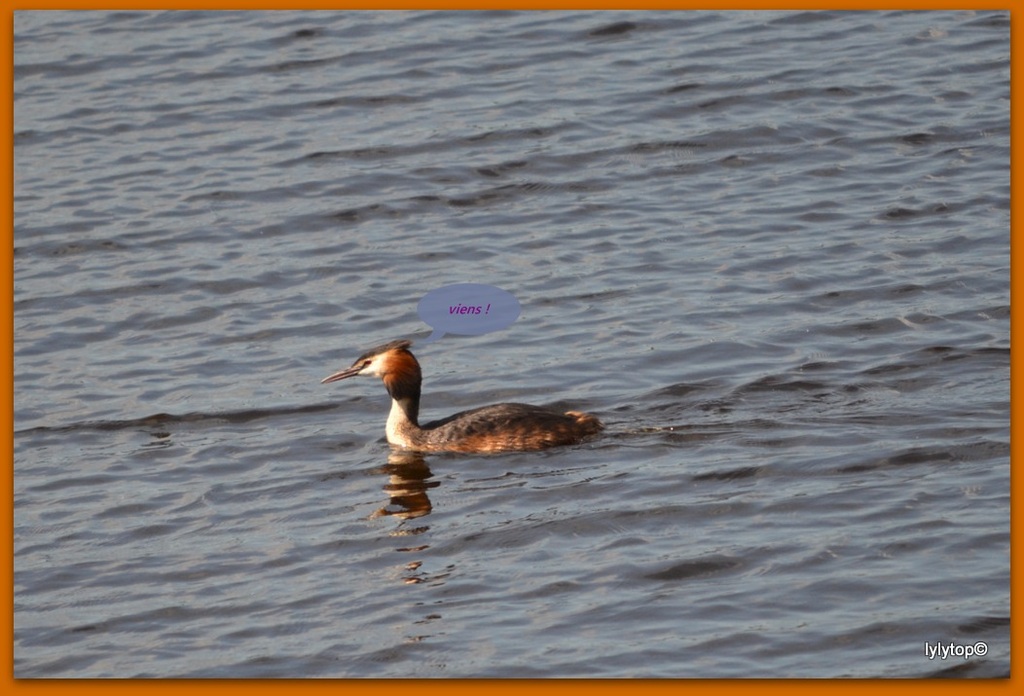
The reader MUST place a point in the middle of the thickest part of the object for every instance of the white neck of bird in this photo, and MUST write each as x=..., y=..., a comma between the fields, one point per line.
x=401, y=419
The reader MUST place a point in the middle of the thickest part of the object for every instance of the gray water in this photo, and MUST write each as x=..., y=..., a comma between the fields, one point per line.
x=769, y=250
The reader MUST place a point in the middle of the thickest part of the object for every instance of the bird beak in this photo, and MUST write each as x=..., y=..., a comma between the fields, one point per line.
x=343, y=374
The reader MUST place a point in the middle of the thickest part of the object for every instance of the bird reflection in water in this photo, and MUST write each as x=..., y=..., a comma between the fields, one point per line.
x=408, y=481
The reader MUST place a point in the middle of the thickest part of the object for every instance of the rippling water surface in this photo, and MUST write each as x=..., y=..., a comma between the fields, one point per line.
x=770, y=250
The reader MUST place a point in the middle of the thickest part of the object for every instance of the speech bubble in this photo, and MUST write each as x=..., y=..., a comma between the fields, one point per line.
x=467, y=309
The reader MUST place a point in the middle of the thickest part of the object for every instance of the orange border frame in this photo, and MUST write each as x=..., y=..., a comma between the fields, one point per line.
x=582, y=687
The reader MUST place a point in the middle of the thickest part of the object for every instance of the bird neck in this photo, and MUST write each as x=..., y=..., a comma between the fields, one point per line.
x=404, y=389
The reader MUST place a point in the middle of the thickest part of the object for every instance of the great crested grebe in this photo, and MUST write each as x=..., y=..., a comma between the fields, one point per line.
x=497, y=428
